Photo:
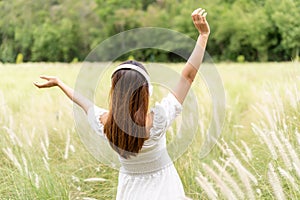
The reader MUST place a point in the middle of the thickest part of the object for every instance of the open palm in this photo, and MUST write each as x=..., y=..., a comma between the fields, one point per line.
x=51, y=82
x=199, y=19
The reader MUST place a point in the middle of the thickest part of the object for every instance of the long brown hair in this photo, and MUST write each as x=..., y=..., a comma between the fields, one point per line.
x=125, y=127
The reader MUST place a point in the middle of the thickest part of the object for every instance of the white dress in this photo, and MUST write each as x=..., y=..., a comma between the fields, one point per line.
x=151, y=174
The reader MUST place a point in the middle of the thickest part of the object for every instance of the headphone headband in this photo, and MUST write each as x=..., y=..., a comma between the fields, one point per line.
x=138, y=69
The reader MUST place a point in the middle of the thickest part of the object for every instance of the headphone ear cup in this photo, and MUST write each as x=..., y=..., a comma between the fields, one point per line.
x=150, y=89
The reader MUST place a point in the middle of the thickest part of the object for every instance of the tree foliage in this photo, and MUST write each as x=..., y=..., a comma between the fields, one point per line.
x=64, y=30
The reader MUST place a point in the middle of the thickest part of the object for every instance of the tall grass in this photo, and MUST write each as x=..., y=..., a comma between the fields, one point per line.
x=257, y=157
x=267, y=165
x=41, y=154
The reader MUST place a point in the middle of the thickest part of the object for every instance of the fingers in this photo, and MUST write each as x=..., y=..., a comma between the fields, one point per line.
x=199, y=19
x=45, y=77
x=42, y=85
x=38, y=84
x=201, y=12
x=198, y=14
x=51, y=81
x=195, y=12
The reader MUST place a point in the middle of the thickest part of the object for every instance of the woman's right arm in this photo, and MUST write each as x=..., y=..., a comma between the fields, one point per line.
x=77, y=98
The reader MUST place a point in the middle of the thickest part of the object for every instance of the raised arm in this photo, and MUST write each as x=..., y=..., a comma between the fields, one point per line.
x=191, y=67
x=77, y=98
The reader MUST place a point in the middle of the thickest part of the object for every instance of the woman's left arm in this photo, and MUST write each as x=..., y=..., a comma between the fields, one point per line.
x=77, y=98
x=192, y=66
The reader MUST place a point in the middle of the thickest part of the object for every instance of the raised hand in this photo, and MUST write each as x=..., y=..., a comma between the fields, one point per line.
x=199, y=19
x=51, y=82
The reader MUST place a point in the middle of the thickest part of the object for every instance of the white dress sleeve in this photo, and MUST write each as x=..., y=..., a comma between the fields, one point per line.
x=93, y=115
x=164, y=114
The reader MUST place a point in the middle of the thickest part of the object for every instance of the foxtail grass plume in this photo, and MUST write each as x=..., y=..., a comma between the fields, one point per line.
x=275, y=183
x=206, y=186
x=226, y=191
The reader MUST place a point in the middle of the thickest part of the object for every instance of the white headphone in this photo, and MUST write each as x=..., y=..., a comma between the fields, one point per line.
x=138, y=69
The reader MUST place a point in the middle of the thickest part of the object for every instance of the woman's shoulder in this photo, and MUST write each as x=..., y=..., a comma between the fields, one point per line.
x=163, y=114
x=169, y=107
x=97, y=118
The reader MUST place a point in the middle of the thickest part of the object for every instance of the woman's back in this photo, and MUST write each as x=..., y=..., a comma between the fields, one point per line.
x=151, y=173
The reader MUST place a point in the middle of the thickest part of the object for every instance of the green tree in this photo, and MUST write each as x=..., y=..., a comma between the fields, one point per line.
x=61, y=30
x=285, y=15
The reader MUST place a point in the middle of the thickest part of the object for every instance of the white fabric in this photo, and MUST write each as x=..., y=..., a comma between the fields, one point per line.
x=151, y=174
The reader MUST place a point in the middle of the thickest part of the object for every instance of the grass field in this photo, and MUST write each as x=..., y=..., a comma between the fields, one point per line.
x=257, y=157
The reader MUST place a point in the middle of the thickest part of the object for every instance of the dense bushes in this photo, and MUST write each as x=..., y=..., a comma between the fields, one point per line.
x=61, y=30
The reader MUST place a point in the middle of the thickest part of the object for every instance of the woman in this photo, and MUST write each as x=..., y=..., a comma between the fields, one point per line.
x=138, y=136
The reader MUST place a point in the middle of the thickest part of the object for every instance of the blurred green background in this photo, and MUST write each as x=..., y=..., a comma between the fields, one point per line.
x=67, y=30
